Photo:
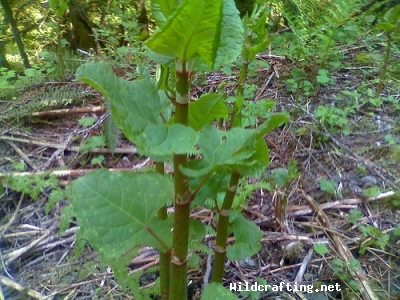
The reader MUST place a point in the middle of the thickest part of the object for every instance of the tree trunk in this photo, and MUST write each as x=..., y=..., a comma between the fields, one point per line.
x=3, y=60
x=8, y=16
x=81, y=34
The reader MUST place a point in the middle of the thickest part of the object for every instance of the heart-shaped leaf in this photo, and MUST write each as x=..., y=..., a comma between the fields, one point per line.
x=116, y=209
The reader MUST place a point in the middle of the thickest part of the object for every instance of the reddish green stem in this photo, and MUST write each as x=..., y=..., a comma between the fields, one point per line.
x=180, y=241
x=165, y=257
x=222, y=229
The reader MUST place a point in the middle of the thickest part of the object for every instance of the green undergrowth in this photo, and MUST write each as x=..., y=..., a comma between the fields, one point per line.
x=215, y=143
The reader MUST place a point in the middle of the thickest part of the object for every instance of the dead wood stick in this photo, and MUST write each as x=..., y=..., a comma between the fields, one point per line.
x=66, y=143
x=130, y=150
x=366, y=291
x=59, y=173
x=16, y=286
x=23, y=155
x=10, y=257
x=4, y=228
x=1, y=294
x=303, y=267
x=302, y=210
x=68, y=111
x=57, y=112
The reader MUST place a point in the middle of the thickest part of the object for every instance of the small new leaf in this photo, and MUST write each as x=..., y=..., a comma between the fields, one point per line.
x=372, y=191
x=321, y=249
x=328, y=186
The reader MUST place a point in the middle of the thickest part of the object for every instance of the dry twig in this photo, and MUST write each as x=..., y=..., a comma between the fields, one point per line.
x=366, y=291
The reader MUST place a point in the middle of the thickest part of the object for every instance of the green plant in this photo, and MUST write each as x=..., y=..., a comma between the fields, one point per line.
x=18, y=165
x=33, y=186
x=282, y=179
x=253, y=111
x=5, y=77
x=97, y=160
x=87, y=121
x=120, y=211
x=312, y=45
x=391, y=27
x=321, y=249
x=372, y=191
x=334, y=117
x=299, y=84
x=93, y=142
x=342, y=271
x=371, y=236
x=323, y=77
x=109, y=138
x=328, y=186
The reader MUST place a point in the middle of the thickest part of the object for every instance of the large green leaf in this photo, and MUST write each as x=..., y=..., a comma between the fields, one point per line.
x=162, y=9
x=210, y=189
x=239, y=149
x=136, y=107
x=231, y=36
x=273, y=122
x=220, y=148
x=161, y=140
x=247, y=237
x=206, y=109
x=258, y=161
x=115, y=209
x=208, y=28
x=393, y=15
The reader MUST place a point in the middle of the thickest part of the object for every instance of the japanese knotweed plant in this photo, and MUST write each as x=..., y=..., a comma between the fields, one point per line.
x=120, y=211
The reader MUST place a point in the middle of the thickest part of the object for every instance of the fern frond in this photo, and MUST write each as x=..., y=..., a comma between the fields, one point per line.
x=245, y=191
x=202, y=248
x=211, y=230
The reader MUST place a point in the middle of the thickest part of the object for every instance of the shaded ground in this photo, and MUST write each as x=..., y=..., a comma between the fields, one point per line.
x=38, y=263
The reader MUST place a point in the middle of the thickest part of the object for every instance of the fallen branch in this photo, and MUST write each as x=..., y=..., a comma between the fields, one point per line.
x=59, y=173
x=131, y=150
x=344, y=253
x=16, y=286
x=302, y=210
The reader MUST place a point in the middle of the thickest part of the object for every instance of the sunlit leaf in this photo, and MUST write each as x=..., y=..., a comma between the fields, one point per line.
x=209, y=28
x=136, y=107
x=116, y=209
x=206, y=109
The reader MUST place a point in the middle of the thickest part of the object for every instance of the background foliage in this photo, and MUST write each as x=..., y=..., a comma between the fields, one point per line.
x=40, y=41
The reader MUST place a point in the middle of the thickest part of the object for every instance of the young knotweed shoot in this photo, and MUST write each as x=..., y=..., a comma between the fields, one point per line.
x=120, y=211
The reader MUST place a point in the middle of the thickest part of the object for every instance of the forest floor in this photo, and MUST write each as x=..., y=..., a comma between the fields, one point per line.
x=335, y=171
